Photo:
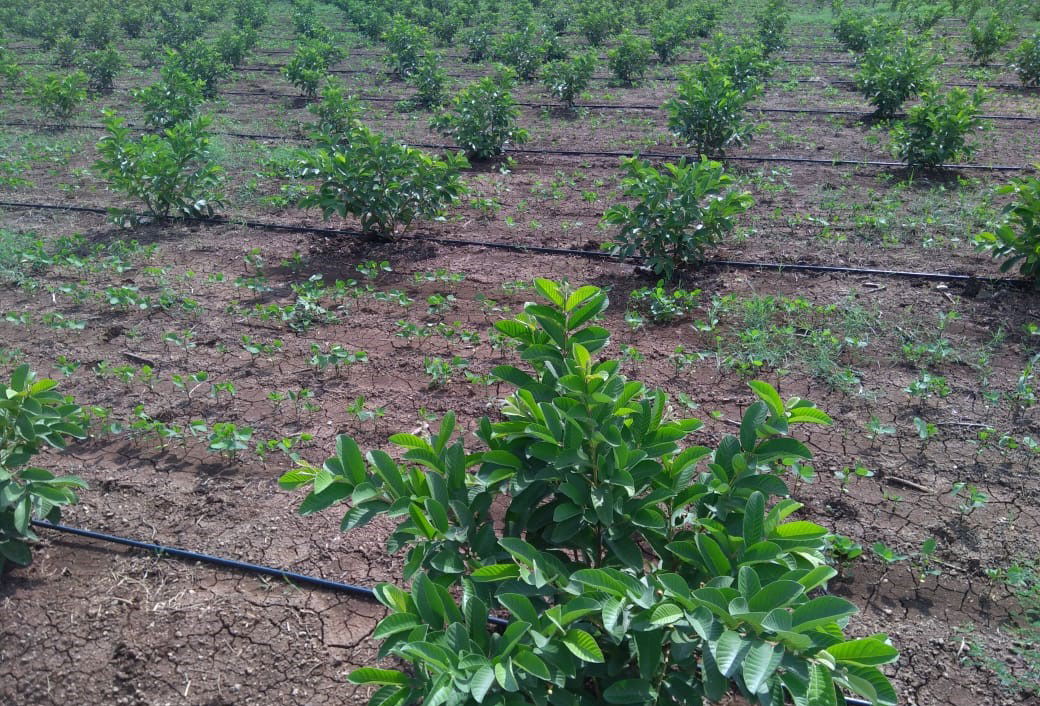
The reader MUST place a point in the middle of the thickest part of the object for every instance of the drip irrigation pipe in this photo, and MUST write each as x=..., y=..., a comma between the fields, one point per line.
x=350, y=589
x=642, y=106
x=608, y=153
x=588, y=254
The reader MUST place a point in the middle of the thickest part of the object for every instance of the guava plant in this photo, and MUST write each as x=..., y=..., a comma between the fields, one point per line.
x=679, y=212
x=629, y=568
x=482, y=117
x=384, y=184
x=33, y=415
x=1016, y=237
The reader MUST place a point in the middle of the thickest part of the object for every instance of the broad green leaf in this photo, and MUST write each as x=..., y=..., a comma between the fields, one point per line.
x=372, y=675
x=869, y=682
x=395, y=623
x=775, y=595
x=481, y=682
x=496, y=572
x=583, y=646
x=532, y=664
x=760, y=662
x=866, y=651
x=550, y=290
x=820, y=611
x=665, y=614
x=728, y=650
x=410, y=441
x=754, y=518
x=821, y=687
x=768, y=394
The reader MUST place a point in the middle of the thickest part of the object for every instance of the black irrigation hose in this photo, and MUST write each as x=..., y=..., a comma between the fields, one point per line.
x=356, y=591
x=603, y=153
x=590, y=254
x=640, y=106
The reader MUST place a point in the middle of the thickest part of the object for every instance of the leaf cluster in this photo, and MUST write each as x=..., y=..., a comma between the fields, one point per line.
x=679, y=212
x=384, y=184
x=171, y=172
x=482, y=117
x=631, y=569
x=708, y=112
x=630, y=59
x=891, y=73
x=566, y=79
x=33, y=415
x=1016, y=237
x=58, y=96
x=935, y=132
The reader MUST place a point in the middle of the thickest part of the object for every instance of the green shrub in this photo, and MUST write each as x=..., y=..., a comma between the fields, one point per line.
x=337, y=113
x=200, y=61
x=10, y=71
x=987, y=36
x=479, y=42
x=520, y=51
x=630, y=59
x=406, y=42
x=33, y=415
x=99, y=31
x=597, y=21
x=249, y=14
x=309, y=66
x=892, y=73
x=482, y=118
x=745, y=63
x=133, y=18
x=57, y=96
x=630, y=569
x=234, y=45
x=1025, y=61
x=772, y=19
x=679, y=212
x=857, y=31
x=708, y=113
x=174, y=98
x=935, y=132
x=384, y=184
x=101, y=67
x=430, y=81
x=172, y=172
x=668, y=36
x=565, y=80
x=66, y=52
x=1016, y=237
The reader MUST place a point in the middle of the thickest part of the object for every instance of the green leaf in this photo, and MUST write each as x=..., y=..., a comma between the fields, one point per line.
x=716, y=560
x=665, y=614
x=728, y=651
x=870, y=683
x=866, y=651
x=550, y=290
x=629, y=691
x=777, y=594
x=583, y=646
x=372, y=675
x=395, y=623
x=820, y=611
x=496, y=572
x=410, y=441
x=579, y=295
x=821, y=687
x=16, y=551
x=532, y=664
x=759, y=665
x=481, y=682
x=754, y=519
x=768, y=394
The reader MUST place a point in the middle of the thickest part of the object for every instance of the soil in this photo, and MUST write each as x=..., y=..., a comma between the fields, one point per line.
x=94, y=623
